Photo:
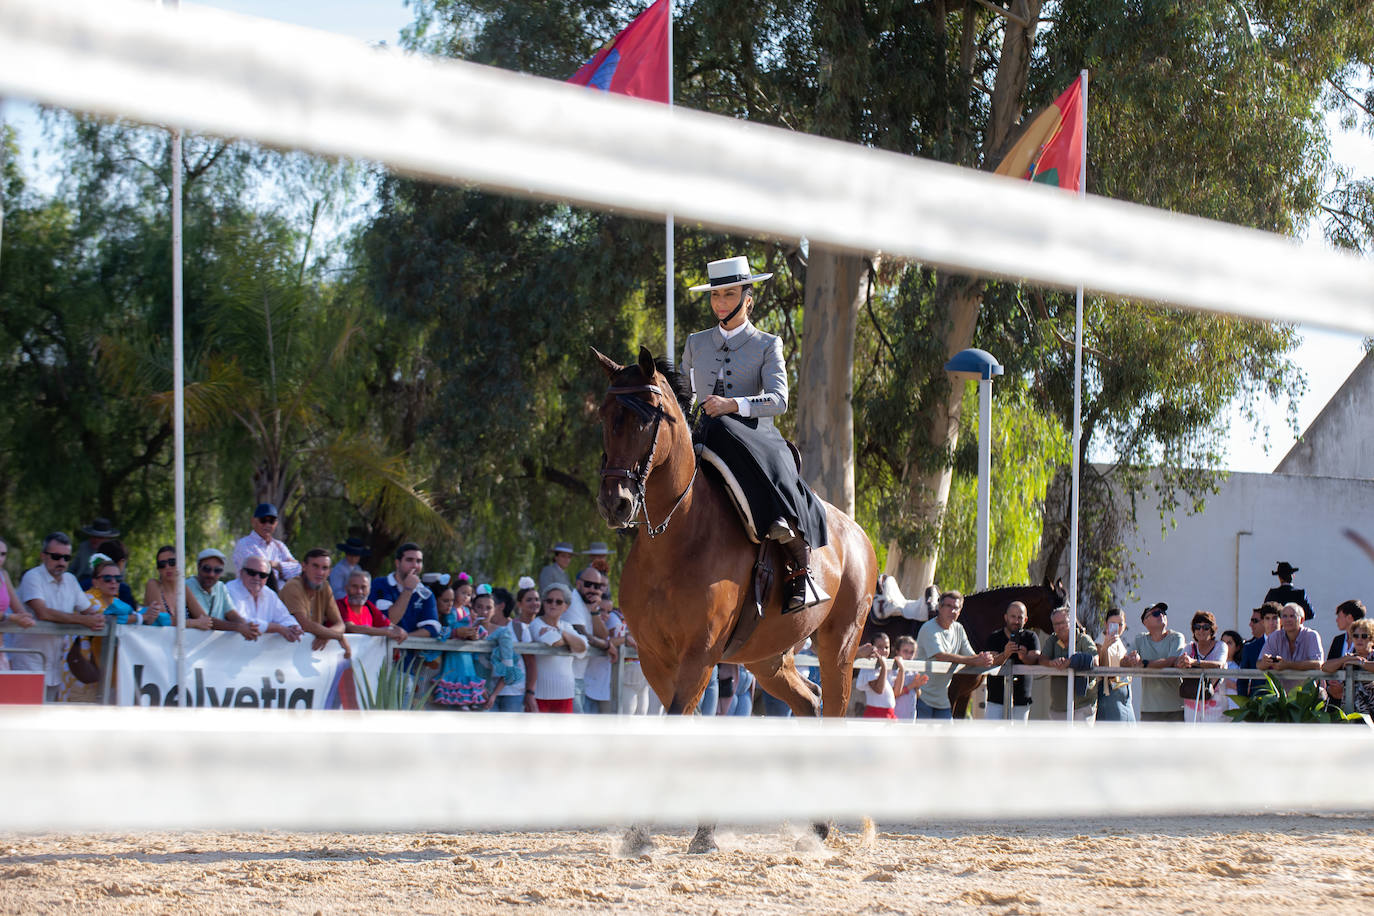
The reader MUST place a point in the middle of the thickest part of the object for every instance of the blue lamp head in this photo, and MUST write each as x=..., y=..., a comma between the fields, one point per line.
x=974, y=365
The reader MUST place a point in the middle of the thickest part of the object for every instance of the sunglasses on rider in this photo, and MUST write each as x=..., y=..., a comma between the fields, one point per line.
x=255, y=573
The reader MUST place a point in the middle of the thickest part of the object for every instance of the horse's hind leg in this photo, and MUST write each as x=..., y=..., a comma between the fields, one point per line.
x=780, y=678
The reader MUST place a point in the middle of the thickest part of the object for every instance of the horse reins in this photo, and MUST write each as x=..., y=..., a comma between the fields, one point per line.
x=639, y=474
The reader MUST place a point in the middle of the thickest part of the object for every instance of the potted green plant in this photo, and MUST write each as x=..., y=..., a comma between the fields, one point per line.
x=1305, y=704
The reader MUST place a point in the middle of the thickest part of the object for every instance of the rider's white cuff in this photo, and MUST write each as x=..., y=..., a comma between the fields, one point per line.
x=743, y=406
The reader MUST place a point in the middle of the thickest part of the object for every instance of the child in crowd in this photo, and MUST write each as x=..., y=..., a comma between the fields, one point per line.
x=906, y=684
x=506, y=690
x=873, y=683
x=457, y=682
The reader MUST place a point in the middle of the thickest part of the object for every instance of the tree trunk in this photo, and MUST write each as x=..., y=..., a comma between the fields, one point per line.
x=927, y=487
x=836, y=288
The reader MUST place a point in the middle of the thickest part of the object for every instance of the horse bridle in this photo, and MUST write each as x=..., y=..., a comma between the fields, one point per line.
x=638, y=476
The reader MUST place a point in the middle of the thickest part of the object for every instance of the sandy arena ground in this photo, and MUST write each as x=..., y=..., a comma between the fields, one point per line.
x=1244, y=865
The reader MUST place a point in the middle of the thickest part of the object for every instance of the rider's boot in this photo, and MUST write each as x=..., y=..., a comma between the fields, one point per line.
x=799, y=588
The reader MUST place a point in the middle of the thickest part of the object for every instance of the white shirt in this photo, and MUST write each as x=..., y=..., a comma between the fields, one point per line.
x=555, y=677
x=577, y=615
x=906, y=703
x=274, y=550
x=60, y=594
x=597, y=681
x=887, y=699
x=266, y=610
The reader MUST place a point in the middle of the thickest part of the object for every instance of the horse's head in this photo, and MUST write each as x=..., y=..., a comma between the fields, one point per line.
x=642, y=422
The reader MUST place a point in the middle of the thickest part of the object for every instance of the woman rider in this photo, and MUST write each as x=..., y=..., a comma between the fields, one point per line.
x=738, y=376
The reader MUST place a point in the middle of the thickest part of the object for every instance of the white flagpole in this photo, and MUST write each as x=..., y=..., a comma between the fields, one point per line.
x=178, y=415
x=1078, y=378
x=669, y=269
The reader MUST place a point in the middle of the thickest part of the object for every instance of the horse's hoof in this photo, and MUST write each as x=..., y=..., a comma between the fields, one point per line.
x=704, y=842
x=636, y=842
x=821, y=830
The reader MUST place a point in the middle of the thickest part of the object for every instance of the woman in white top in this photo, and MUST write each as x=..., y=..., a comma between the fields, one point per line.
x=1205, y=651
x=555, y=686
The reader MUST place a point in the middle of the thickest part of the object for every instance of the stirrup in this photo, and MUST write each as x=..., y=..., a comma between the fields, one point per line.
x=799, y=599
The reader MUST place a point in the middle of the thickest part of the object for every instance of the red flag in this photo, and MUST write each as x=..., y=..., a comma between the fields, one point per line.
x=1050, y=149
x=635, y=62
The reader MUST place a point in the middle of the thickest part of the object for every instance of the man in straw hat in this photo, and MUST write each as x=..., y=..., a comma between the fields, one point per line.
x=598, y=555
x=738, y=376
x=557, y=571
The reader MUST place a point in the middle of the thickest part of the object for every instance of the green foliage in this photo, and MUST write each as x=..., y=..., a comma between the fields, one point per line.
x=396, y=688
x=1027, y=449
x=1304, y=704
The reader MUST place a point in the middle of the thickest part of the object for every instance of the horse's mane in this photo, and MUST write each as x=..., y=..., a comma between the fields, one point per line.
x=1005, y=589
x=682, y=389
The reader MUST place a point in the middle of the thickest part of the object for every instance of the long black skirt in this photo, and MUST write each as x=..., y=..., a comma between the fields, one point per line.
x=762, y=462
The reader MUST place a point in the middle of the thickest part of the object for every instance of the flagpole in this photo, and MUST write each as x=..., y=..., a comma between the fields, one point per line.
x=669, y=269
x=178, y=417
x=1078, y=374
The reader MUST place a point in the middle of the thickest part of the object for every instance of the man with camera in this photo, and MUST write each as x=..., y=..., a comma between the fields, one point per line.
x=1015, y=644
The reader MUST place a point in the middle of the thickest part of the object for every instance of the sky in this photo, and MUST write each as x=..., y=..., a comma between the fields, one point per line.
x=1326, y=357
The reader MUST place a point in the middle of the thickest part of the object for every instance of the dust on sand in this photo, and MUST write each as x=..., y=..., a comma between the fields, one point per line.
x=1245, y=865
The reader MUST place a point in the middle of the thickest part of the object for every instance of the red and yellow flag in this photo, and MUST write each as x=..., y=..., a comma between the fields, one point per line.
x=635, y=62
x=1050, y=149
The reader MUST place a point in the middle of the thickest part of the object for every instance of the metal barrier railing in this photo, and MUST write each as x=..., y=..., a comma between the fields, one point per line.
x=1350, y=676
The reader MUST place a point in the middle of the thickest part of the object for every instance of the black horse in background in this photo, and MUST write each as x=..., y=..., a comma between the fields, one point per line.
x=981, y=616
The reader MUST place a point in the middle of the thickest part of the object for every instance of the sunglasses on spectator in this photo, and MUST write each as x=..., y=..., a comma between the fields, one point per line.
x=255, y=573
x=59, y=557
x=586, y=584
x=110, y=578
x=167, y=564
x=216, y=570
x=1201, y=626
x=555, y=601
x=268, y=519
x=1159, y=613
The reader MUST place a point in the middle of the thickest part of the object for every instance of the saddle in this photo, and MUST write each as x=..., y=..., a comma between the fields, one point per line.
x=770, y=555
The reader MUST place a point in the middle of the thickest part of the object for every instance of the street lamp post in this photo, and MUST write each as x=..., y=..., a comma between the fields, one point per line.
x=980, y=365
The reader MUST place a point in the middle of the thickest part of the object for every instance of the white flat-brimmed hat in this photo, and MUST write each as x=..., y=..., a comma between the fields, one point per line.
x=729, y=272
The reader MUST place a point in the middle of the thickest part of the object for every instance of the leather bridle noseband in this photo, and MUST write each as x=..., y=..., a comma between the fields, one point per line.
x=638, y=476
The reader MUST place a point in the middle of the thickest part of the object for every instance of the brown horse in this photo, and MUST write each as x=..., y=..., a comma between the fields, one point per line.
x=689, y=576
x=981, y=615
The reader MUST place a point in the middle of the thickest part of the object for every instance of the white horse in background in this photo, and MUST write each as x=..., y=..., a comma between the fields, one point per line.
x=889, y=601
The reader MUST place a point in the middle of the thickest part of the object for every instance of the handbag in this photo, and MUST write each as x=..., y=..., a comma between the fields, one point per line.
x=1202, y=691
x=85, y=669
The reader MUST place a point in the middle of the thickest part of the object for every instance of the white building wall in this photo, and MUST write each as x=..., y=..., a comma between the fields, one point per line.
x=1220, y=560
x=1340, y=441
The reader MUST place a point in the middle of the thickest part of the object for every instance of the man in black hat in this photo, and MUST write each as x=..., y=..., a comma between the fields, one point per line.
x=353, y=550
x=97, y=533
x=1285, y=593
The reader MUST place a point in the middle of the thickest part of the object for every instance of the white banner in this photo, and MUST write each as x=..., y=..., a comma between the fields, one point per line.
x=226, y=670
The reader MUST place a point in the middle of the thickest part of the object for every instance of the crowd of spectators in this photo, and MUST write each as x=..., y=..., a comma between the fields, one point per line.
x=271, y=594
